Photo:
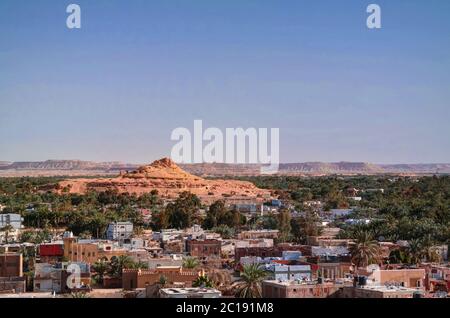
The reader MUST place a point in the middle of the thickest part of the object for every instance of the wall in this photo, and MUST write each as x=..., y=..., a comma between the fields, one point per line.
x=132, y=279
x=11, y=265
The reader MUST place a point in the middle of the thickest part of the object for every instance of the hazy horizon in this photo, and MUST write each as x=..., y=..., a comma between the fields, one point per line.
x=116, y=88
x=292, y=162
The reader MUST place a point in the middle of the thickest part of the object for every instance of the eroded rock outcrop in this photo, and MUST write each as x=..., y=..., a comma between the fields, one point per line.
x=169, y=180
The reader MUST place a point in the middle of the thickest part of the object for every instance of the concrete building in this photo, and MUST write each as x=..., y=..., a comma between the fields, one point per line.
x=339, y=213
x=119, y=231
x=204, y=248
x=51, y=252
x=54, y=278
x=437, y=278
x=291, y=255
x=299, y=289
x=264, y=248
x=283, y=273
x=377, y=292
x=172, y=260
x=90, y=251
x=258, y=234
x=174, y=246
x=332, y=271
x=47, y=278
x=14, y=220
x=247, y=260
x=11, y=265
x=137, y=278
x=329, y=251
x=12, y=285
x=11, y=273
x=248, y=207
x=409, y=278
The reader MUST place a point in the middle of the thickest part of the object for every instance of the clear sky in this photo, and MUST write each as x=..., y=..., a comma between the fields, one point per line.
x=137, y=69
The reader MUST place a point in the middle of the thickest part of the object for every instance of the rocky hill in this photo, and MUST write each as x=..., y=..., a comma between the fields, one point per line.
x=169, y=180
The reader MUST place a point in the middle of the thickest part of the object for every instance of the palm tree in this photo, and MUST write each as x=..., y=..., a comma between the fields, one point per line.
x=415, y=251
x=203, y=281
x=139, y=265
x=101, y=267
x=220, y=278
x=7, y=229
x=365, y=251
x=250, y=284
x=162, y=280
x=399, y=257
x=190, y=262
x=79, y=295
x=429, y=252
x=120, y=263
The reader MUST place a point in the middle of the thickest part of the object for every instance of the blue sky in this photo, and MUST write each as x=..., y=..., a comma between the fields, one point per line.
x=137, y=69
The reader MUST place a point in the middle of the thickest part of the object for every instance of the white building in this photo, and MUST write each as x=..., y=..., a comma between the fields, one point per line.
x=190, y=293
x=290, y=272
x=119, y=231
x=338, y=213
x=15, y=220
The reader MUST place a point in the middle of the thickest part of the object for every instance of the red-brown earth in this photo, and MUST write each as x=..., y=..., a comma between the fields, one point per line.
x=169, y=180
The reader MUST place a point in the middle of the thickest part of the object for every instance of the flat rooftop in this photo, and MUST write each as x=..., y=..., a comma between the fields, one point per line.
x=384, y=289
x=187, y=291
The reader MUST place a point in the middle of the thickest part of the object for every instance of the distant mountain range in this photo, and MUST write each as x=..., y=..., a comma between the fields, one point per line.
x=78, y=167
x=65, y=165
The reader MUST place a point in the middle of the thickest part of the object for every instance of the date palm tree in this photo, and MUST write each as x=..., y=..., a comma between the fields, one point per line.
x=415, y=251
x=203, y=281
x=101, y=267
x=80, y=295
x=117, y=264
x=190, y=262
x=220, y=278
x=162, y=281
x=250, y=284
x=365, y=251
x=7, y=229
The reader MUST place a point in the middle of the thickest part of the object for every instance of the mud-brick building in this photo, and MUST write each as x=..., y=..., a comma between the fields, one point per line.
x=204, y=248
x=138, y=278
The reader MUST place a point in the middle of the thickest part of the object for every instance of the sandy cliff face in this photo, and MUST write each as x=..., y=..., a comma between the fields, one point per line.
x=169, y=180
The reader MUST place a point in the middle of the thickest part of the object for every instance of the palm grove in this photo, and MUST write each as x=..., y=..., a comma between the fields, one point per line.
x=414, y=210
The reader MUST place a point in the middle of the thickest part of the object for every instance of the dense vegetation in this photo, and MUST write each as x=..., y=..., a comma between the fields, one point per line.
x=408, y=209
x=85, y=215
